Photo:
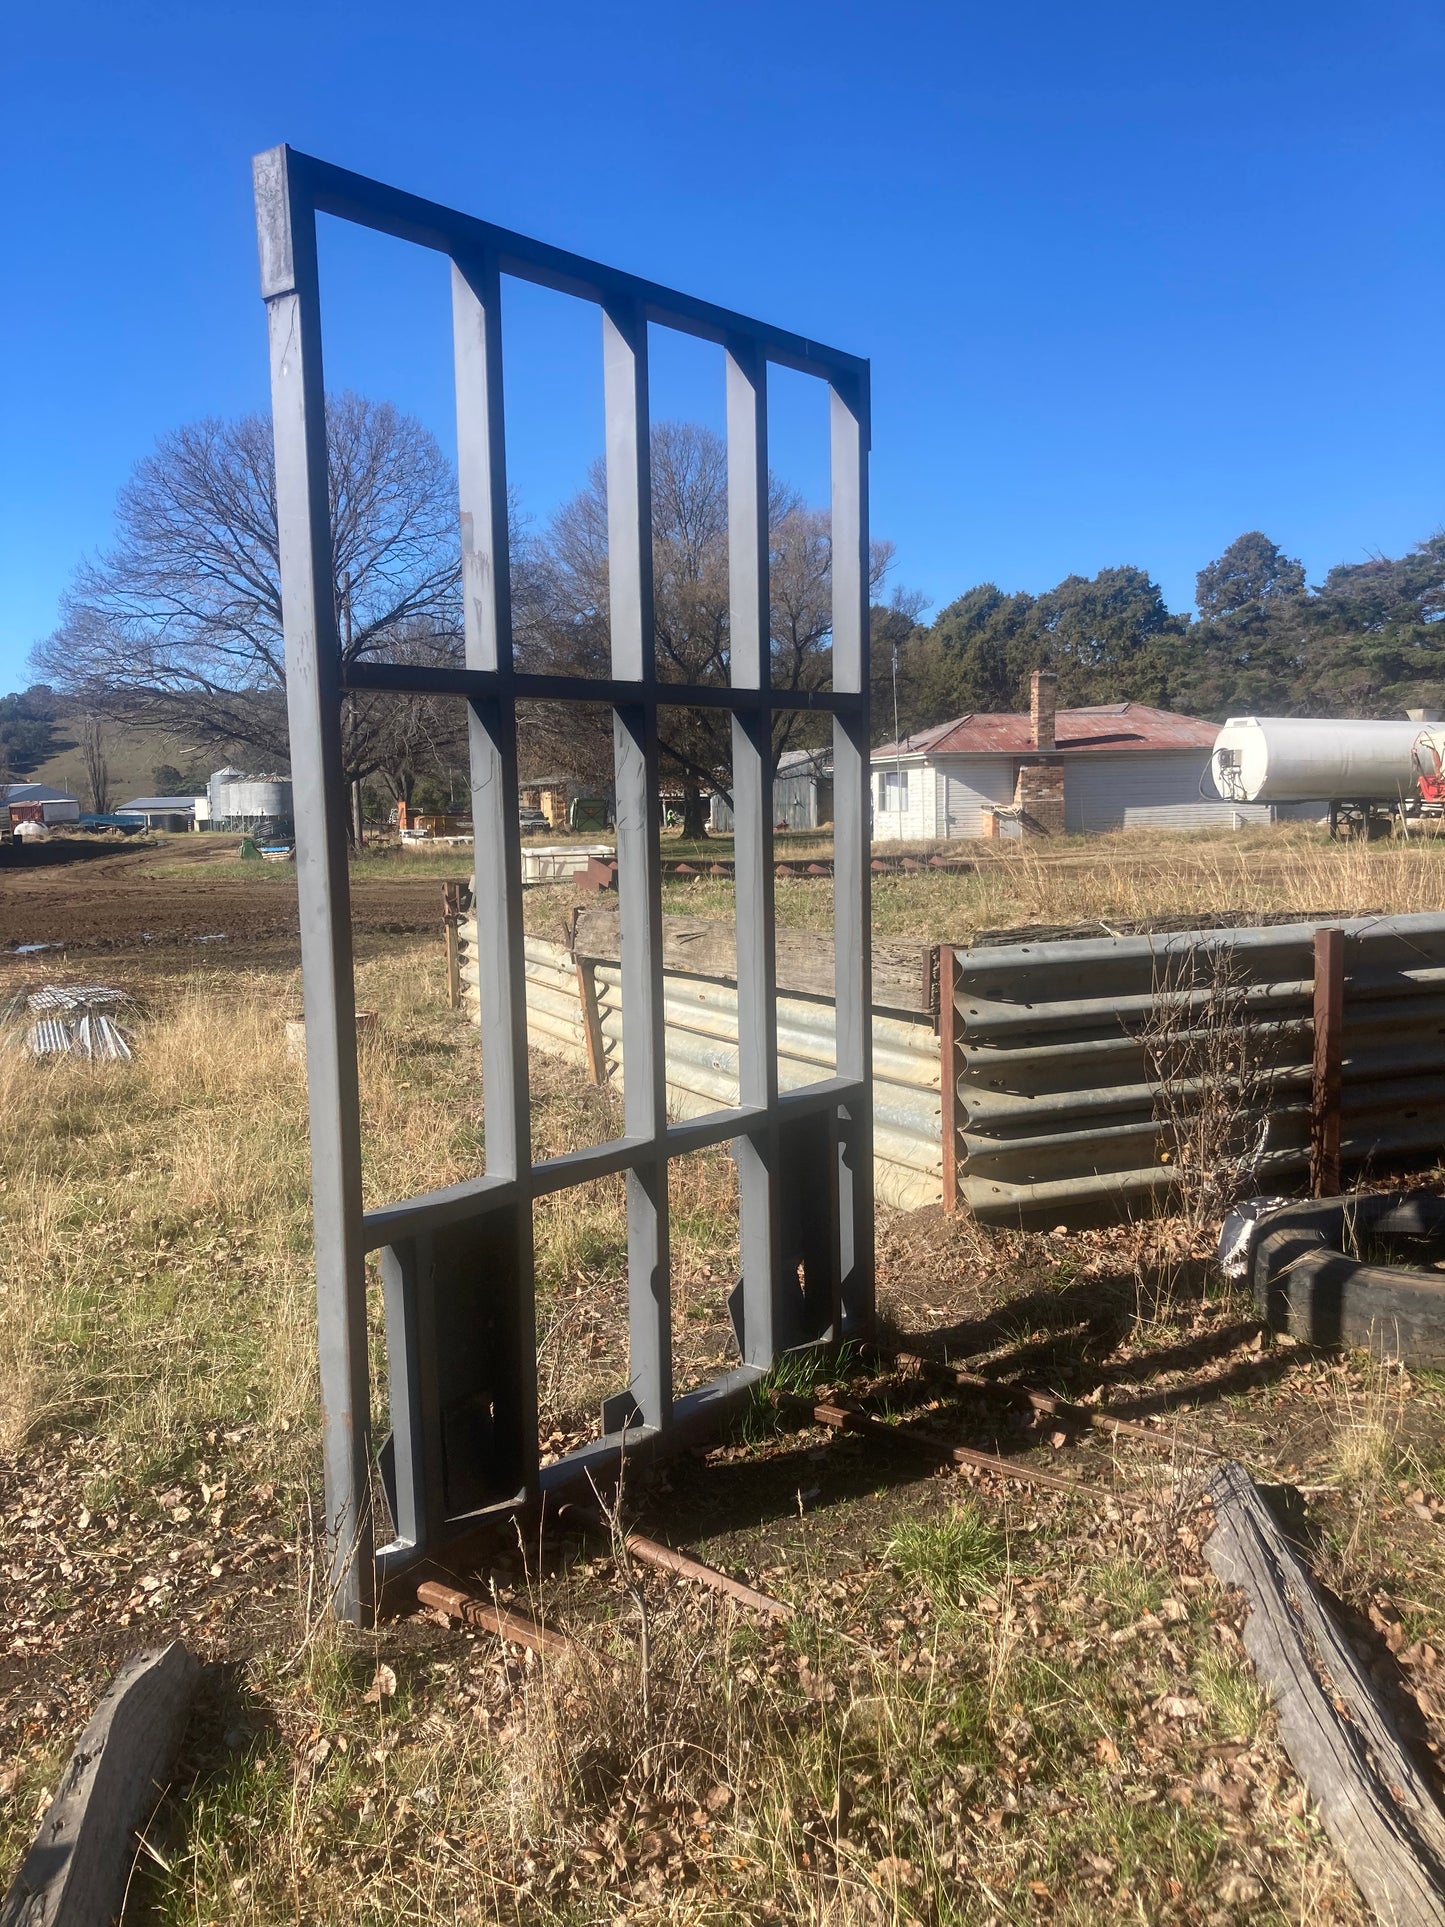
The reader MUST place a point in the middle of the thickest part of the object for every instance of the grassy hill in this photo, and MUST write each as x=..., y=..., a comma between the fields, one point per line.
x=132, y=754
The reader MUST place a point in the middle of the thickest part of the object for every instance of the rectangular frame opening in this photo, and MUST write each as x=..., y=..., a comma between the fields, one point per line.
x=460, y=1260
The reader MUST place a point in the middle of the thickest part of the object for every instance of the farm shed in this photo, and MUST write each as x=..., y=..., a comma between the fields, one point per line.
x=37, y=803
x=160, y=812
x=802, y=793
x=1111, y=767
x=569, y=802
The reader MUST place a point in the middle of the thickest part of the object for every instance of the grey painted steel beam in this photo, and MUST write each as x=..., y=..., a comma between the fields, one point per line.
x=487, y=615
x=411, y=1349
x=852, y=830
x=696, y=1414
x=286, y=231
x=353, y=197
x=760, y=1204
x=527, y=686
x=639, y=863
x=459, y=1263
x=394, y=1223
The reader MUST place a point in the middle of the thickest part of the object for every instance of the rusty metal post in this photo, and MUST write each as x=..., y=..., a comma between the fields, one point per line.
x=1328, y=1058
x=948, y=1072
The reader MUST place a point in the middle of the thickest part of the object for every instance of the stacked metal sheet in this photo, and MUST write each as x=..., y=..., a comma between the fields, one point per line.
x=1059, y=1089
x=700, y=1018
x=71, y=1020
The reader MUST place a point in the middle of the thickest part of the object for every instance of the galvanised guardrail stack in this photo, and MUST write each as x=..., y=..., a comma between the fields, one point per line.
x=1043, y=1100
x=574, y=1010
x=1058, y=1108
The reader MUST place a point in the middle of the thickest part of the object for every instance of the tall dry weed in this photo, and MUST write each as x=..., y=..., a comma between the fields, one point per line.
x=1213, y=1069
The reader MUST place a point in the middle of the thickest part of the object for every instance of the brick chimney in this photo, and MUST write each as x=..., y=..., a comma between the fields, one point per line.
x=1043, y=700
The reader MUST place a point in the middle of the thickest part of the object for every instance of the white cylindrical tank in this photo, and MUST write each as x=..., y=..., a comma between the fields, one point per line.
x=1292, y=759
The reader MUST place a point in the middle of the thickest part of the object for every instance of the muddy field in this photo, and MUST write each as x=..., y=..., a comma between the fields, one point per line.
x=103, y=897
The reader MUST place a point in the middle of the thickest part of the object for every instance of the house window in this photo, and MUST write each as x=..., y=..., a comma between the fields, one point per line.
x=893, y=789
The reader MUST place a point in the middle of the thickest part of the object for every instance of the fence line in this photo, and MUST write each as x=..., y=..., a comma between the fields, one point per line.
x=1043, y=1100
x=1056, y=1088
x=574, y=1011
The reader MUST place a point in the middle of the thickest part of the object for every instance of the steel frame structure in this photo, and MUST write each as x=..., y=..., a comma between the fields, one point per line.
x=457, y=1263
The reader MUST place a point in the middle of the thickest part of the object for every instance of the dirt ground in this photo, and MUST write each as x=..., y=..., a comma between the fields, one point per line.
x=996, y=1700
x=100, y=896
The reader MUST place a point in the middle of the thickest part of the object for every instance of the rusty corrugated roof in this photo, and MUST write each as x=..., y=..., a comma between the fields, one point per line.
x=1107, y=726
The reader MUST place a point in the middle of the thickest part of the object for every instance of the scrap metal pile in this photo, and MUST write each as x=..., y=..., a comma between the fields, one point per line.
x=75, y=1019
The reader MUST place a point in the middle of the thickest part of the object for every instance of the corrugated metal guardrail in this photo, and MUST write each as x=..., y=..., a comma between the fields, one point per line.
x=1057, y=1105
x=701, y=1033
x=1056, y=1099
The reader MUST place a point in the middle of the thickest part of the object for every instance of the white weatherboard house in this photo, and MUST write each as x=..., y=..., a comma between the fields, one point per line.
x=1115, y=766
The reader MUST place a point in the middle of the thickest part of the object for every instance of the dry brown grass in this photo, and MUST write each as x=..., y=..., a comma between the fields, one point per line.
x=1127, y=875
x=877, y=1762
x=154, y=1215
x=694, y=1769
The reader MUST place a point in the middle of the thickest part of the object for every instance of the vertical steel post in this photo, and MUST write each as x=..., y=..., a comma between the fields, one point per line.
x=750, y=650
x=851, y=850
x=286, y=230
x=639, y=862
x=497, y=892
x=1328, y=1062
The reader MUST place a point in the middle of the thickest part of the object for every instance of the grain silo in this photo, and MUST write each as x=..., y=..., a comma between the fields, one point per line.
x=241, y=802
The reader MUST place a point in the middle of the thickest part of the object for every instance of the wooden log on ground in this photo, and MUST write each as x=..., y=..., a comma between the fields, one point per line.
x=705, y=947
x=1378, y=1807
x=77, y=1872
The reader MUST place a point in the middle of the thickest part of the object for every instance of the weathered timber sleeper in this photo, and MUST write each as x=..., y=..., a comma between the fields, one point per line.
x=1381, y=1812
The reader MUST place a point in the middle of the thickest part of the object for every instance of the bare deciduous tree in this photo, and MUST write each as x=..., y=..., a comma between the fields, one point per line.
x=563, y=621
x=92, y=755
x=180, y=624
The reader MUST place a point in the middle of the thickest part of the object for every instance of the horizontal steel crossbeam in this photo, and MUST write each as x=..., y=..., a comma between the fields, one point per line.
x=432, y=1210
x=389, y=210
x=488, y=685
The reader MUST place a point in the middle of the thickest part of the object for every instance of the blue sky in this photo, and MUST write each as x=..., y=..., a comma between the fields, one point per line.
x=1133, y=278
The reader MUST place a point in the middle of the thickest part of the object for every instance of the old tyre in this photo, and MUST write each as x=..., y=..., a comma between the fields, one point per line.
x=1357, y=1271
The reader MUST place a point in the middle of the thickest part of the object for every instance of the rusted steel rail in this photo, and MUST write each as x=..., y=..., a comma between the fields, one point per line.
x=507, y=1623
x=652, y=1552
x=1062, y=1408
x=847, y=1418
